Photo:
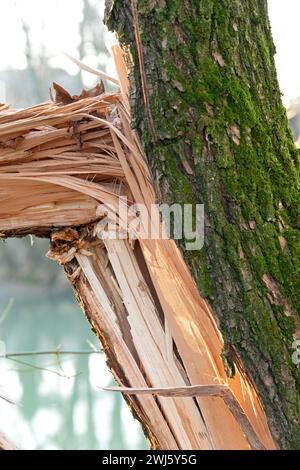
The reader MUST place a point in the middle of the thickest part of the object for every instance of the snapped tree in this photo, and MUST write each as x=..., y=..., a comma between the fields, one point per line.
x=206, y=105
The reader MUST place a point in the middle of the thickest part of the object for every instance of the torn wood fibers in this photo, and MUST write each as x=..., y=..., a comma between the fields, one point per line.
x=58, y=162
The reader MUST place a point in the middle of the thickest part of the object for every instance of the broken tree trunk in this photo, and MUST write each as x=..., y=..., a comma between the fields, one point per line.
x=206, y=104
x=61, y=161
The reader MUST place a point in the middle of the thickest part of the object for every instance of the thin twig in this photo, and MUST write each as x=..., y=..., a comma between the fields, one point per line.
x=56, y=352
x=48, y=353
x=43, y=369
x=8, y=400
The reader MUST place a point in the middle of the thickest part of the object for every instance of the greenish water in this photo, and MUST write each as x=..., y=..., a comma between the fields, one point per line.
x=58, y=403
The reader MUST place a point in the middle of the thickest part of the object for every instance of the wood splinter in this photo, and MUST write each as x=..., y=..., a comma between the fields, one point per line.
x=222, y=391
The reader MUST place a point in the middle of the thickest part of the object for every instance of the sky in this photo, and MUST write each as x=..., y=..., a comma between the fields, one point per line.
x=285, y=21
x=55, y=24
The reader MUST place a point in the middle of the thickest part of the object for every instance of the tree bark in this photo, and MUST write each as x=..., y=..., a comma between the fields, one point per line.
x=206, y=103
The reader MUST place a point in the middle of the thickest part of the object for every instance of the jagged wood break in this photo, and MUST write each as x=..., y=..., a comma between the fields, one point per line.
x=58, y=162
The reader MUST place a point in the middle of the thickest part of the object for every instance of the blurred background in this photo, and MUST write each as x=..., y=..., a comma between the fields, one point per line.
x=58, y=404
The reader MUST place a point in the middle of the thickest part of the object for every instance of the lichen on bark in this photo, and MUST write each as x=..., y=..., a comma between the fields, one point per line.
x=222, y=139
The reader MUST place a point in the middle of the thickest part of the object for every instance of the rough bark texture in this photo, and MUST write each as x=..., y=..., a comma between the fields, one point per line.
x=215, y=132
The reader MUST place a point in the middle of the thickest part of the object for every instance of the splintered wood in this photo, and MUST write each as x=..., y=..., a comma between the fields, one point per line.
x=58, y=162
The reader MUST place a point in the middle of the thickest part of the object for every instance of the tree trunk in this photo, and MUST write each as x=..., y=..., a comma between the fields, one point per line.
x=206, y=103
x=62, y=161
